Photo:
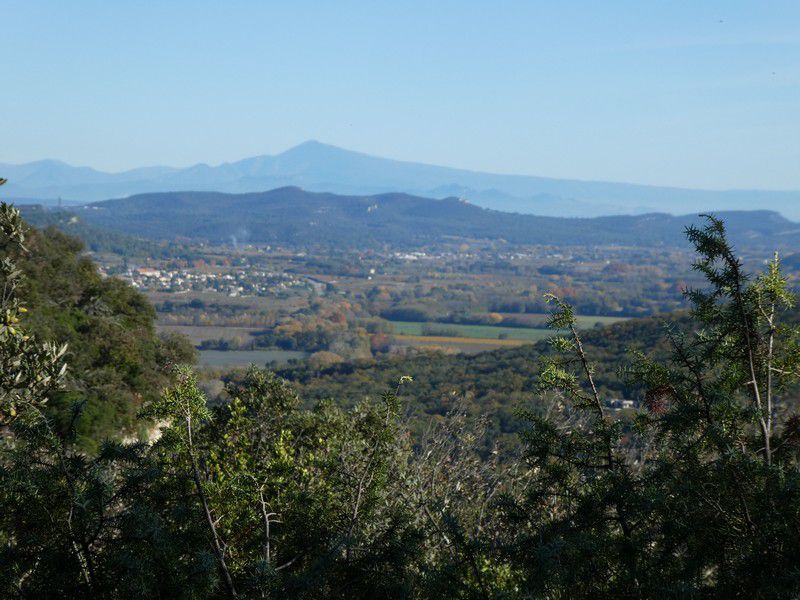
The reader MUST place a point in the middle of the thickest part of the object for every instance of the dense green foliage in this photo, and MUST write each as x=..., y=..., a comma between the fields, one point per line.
x=115, y=358
x=494, y=384
x=703, y=498
x=294, y=217
x=258, y=496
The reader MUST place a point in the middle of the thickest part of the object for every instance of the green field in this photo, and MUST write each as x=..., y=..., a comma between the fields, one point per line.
x=539, y=320
x=493, y=332
x=489, y=332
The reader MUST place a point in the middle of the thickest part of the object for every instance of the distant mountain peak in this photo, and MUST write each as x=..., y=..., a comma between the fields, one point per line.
x=321, y=167
x=312, y=144
x=315, y=147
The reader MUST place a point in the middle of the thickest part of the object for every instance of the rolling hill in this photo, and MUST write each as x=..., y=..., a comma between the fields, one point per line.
x=292, y=216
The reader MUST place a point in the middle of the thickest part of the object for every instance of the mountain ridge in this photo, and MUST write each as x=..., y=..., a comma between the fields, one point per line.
x=296, y=217
x=320, y=167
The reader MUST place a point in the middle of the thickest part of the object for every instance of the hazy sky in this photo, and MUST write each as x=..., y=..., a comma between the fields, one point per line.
x=695, y=93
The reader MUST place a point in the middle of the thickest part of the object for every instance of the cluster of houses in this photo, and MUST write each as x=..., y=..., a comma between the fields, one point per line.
x=620, y=404
x=233, y=283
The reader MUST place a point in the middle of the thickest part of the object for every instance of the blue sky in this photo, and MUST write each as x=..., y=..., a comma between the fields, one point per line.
x=697, y=94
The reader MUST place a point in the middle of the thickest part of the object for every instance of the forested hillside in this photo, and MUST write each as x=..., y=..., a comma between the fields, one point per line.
x=295, y=217
x=495, y=384
x=116, y=360
x=94, y=239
